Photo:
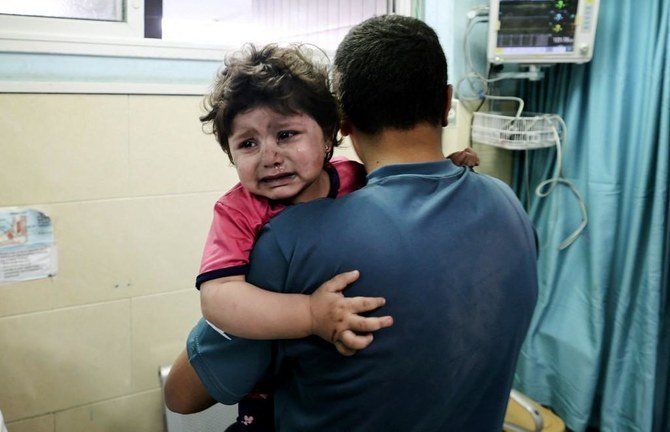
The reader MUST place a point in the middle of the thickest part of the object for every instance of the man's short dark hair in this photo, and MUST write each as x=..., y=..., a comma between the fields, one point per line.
x=391, y=72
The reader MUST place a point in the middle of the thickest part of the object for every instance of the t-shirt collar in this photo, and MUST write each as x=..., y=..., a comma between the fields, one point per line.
x=442, y=168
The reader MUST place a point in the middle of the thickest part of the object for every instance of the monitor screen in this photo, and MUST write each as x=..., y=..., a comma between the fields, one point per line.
x=541, y=31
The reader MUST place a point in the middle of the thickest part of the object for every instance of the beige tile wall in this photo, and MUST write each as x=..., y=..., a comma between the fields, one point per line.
x=129, y=182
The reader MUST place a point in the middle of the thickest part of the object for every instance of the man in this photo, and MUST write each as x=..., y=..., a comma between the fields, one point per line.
x=451, y=251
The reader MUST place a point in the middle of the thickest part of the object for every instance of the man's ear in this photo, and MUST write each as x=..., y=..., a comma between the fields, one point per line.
x=447, y=105
x=345, y=127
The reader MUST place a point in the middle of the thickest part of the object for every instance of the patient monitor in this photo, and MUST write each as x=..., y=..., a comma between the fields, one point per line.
x=542, y=31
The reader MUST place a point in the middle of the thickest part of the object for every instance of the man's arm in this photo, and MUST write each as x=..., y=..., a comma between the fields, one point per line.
x=184, y=392
x=215, y=368
x=225, y=368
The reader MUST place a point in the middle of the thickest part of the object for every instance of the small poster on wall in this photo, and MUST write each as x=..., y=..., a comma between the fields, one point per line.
x=27, y=249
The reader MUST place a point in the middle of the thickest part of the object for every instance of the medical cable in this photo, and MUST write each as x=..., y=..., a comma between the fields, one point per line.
x=547, y=186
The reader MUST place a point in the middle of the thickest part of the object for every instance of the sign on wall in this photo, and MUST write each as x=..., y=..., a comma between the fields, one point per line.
x=27, y=249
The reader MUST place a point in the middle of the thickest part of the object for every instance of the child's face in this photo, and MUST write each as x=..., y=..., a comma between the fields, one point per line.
x=279, y=156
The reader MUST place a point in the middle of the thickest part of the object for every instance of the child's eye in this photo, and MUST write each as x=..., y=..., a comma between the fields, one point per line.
x=287, y=134
x=246, y=144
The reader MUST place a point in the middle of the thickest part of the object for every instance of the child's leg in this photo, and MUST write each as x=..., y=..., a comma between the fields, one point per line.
x=255, y=413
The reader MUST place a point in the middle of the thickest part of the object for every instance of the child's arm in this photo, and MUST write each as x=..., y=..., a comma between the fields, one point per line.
x=242, y=309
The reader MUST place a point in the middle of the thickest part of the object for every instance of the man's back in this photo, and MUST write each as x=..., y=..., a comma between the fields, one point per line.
x=453, y=254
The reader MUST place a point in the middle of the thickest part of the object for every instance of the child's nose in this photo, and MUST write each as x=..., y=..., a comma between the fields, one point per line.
x=272, y=154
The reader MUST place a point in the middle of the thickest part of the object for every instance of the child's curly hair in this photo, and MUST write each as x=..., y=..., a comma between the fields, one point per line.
x=285, y=79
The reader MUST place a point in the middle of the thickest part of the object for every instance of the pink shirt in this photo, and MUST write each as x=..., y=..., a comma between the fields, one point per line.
x=239, y=216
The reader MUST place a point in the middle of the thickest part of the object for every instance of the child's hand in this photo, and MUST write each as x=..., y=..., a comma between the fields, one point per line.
x=466, y=157
x=335, y=317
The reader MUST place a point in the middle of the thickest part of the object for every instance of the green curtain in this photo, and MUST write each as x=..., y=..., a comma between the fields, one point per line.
x=598, y=350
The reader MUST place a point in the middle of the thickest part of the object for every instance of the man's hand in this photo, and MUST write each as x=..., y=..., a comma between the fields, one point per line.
x=466, y=157
x=335, y=317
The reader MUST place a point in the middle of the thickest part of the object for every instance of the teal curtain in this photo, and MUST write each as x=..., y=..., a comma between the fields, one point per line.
x=599, y=344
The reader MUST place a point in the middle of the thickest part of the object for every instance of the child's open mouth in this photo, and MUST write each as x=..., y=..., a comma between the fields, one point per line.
x=279, y=179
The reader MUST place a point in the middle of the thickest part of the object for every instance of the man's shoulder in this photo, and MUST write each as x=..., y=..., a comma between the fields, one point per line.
x=309, y=220
x=488, y=184
x=301, y=213
x=497, y=186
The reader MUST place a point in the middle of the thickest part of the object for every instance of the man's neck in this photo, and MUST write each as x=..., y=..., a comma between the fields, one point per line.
x=394, y=146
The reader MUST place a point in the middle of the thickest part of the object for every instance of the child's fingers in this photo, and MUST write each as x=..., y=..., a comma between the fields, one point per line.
x=342, y=349
x=361, y=324
x=340, y=281
x=472, y=159
x=365, y=304
x=353, y=341
x=466, y=157
x=457, y=158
